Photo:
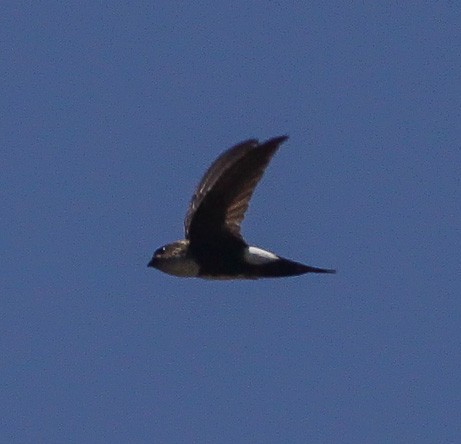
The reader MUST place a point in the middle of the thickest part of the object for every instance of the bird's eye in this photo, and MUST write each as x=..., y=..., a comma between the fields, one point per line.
x=160, y=251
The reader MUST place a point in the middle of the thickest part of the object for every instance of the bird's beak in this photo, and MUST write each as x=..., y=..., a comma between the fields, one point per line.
x=152, y=262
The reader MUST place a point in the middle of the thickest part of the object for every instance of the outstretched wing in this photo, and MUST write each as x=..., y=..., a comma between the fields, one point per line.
x=223, y=194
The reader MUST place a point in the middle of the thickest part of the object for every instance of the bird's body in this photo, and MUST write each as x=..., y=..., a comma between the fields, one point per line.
x=213, y=247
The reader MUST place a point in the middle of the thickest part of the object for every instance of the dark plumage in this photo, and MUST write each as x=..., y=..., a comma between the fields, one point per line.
x=214, y=247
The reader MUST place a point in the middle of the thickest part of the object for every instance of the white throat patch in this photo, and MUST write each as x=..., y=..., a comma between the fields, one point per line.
x=182, y=267
x=258, y=256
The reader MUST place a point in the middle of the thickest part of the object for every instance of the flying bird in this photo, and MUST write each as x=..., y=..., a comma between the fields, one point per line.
x=213, y=247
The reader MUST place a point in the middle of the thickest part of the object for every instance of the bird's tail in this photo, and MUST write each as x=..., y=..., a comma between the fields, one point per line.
x=284, y=267
x=318, y=270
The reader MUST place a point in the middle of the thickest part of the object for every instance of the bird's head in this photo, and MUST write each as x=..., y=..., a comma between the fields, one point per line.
x=174, y=259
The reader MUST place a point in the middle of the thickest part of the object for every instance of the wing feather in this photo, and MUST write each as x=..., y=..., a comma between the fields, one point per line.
x=222, y=196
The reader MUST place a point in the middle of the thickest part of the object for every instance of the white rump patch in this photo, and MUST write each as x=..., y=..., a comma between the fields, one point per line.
x=257, y=256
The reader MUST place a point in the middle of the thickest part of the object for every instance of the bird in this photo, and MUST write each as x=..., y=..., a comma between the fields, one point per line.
x=214, y=247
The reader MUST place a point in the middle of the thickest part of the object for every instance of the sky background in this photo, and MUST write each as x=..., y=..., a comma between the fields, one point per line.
x=110, y=114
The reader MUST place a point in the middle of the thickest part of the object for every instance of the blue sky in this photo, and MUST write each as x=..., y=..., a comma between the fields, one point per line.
x=111, y=112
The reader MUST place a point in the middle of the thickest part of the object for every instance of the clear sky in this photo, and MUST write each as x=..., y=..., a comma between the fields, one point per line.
x=110, y=114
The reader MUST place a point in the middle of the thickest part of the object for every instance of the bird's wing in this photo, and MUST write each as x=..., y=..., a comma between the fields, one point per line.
x=223, y=194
